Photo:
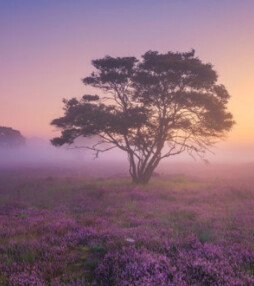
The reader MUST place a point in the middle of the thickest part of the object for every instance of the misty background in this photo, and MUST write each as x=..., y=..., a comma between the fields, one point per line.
x=44, y=55
x=225, y=161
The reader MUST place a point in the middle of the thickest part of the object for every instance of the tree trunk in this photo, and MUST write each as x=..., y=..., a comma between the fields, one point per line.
x=142, y=174
x=143, y=179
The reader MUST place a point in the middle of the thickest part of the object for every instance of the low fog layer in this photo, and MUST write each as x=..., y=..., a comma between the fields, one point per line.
x=226, y=161
x=39, y=152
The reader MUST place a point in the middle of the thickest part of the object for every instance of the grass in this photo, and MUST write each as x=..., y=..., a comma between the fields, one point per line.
x=44, y=209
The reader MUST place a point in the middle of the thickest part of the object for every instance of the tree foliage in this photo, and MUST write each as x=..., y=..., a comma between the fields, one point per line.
x=152, y=108
x=10, y=137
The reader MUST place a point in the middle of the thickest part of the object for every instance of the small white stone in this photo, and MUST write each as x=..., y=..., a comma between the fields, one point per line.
x=130, y=240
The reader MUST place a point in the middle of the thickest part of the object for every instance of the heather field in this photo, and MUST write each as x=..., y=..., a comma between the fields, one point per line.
x=62, y=228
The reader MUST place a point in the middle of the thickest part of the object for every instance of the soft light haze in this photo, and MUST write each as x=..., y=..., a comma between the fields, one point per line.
x=154, y=208
x=47, y=46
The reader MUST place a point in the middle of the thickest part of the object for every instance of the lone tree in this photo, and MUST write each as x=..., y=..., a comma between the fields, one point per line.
x=10, y=137
x=153, y=108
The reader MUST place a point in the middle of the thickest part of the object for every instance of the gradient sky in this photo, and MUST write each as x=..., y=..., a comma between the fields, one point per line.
x=46, y=47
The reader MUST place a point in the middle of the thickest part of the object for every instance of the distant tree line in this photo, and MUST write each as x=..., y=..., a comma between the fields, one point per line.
x=10, y=137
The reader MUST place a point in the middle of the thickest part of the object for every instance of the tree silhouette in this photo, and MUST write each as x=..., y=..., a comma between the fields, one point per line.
x=10, y=137
x=153, y=108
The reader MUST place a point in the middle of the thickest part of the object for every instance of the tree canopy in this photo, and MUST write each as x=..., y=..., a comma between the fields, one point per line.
x=152, y=108
x=10, y=137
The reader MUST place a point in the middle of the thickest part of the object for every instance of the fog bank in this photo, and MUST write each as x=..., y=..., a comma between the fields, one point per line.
x=228, y=161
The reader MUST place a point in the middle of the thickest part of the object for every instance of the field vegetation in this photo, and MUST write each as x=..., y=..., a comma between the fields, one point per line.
x=58, y=228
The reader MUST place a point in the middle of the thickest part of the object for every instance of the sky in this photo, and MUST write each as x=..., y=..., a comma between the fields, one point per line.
x=46, y=47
